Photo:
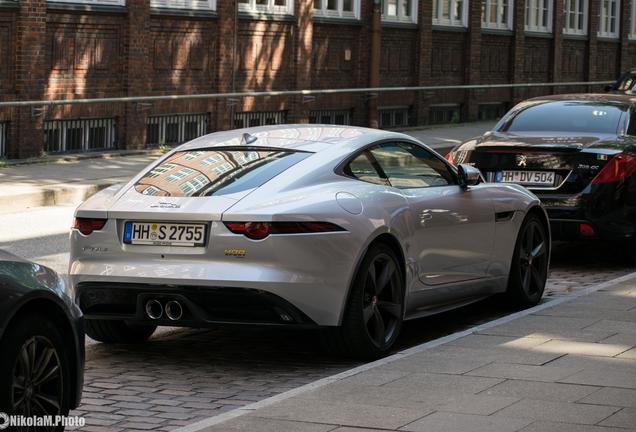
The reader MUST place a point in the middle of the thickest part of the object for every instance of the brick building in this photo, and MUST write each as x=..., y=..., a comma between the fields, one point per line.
x=110, y=48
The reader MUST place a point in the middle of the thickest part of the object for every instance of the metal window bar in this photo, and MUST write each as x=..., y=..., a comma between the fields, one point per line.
x=175, y=129
x=68, y=136
x=394, y=117
x=441, y=114
x=3, y=139
x=261, y=118
x=334, y=117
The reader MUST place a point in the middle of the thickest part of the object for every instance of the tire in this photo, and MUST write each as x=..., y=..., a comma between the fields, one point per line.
x=373, y=316
x=529, y=266
x=35, y=370
x=114, y=331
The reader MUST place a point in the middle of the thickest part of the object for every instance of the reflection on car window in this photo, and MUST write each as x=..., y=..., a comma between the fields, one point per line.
x=569, y=116
x=410, y=166
x=216, y=172
x=362, y=169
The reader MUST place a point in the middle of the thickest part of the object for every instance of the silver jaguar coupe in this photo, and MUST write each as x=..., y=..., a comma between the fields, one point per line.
x=349, y=229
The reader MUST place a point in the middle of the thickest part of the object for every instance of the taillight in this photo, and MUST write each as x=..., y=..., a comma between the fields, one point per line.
x=260, y=230
x=87, y=225
x=618, y=168
x=450, y=157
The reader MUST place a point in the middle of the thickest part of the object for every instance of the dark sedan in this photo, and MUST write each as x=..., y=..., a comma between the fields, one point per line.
x=41, y=342
x=577, y=153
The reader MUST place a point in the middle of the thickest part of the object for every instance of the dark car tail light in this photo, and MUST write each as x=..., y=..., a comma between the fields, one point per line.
x=618, y=168
x=260, y=230
x=87, y=225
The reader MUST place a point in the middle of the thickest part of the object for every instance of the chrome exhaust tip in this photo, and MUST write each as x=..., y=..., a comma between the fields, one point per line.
x=154, y=309
x=174, y=310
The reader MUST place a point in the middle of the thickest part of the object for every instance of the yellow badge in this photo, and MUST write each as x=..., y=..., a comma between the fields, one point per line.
x=239, y=253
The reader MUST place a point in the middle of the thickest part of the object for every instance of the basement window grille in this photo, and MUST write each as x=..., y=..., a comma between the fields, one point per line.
x=442, y=114
x=81, y=135
x=175, y=129
x=253, y=119
x=333, y=117
x=394, y=117
x=3, y=139
x=491, y=111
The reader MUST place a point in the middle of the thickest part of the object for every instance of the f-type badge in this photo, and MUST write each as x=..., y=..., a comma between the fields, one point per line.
x=166, y=205
x=522, y=161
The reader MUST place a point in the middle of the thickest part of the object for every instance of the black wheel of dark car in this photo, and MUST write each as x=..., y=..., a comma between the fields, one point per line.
x=115, y=331
x=35, y=370
x=373, y=316
x=529, y=267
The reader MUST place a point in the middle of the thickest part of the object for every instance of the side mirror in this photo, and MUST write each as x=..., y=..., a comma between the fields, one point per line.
x=468, y=175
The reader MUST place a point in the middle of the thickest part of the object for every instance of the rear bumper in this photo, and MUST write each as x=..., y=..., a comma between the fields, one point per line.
x=201, y=305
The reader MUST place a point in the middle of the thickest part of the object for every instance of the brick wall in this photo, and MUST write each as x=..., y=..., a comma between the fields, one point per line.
x=50, y=52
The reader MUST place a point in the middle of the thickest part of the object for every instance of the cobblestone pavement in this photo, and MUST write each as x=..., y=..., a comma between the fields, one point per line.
x=186, y=375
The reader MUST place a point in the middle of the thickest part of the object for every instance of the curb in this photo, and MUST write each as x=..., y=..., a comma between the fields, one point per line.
x=241, y=411
x=52, y=195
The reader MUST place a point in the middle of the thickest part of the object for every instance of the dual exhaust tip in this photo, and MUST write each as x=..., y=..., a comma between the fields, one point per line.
x=155, y=310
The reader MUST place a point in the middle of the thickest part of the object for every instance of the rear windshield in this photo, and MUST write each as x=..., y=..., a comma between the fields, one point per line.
x=592, y=117
x=216, y=172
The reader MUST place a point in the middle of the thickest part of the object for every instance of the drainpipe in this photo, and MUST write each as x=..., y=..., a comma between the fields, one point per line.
x=374, y=61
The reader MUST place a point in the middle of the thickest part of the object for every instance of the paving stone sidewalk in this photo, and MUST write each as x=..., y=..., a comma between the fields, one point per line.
x=571, y=367
x=71, y=181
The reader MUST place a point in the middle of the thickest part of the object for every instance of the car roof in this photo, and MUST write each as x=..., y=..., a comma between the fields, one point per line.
x=301, y=137
x=587, y=97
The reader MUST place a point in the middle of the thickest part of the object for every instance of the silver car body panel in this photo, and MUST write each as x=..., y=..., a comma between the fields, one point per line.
x=454, y=248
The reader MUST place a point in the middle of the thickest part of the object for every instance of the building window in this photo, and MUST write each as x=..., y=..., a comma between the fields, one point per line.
x=184, y=4
x=450, y=13
x=443, y=114
x=194, y=185
x=3, y=139
x=399, y=11
x=253, y=119
x=267, y=6
x=608, y=18
x=333, y=117
x=151, y=190
x=632, y=29
x=65, y=136
x=394, y=117
x=175, y=129
x=575, y=14
x=337, y=8
x=176, y=176
x=497, y=14
x=491, y=111
x=93, y=2
x=539, y=16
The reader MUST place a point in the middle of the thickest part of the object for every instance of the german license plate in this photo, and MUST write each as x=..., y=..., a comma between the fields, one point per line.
x=164, y=234
x=534, y=178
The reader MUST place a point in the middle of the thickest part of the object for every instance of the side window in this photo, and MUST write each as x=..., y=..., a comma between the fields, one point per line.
x=631, y=129
x=362, y=169
x=410, y=166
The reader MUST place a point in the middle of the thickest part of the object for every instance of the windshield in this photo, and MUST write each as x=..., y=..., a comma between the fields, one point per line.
x=568, y=116
x=216, y=172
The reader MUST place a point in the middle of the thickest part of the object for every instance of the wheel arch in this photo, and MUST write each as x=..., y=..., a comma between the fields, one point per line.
x=52, y=310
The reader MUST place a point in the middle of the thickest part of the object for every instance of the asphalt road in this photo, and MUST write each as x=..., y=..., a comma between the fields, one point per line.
x=184, y=375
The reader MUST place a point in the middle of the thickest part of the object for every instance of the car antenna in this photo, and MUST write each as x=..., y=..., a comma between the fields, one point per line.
x=248, y=139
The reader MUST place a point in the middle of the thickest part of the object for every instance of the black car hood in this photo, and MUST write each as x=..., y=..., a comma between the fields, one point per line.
x=561, y=141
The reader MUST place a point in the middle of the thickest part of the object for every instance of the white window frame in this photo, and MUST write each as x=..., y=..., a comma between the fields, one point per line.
x=500, y=24
x=581, y=7
x=340, y=13
x=400, y=17
x=534, y=16
x=604, y=21
x=184, y=4
x=451, y=21
x=269, y=8
x=93, y=2
x=632, y=22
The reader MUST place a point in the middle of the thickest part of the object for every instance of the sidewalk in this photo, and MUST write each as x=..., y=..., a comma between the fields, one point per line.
x=42, y=184
x=567, y=366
